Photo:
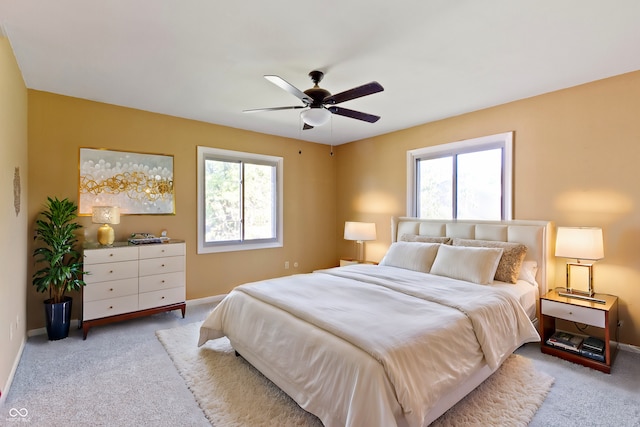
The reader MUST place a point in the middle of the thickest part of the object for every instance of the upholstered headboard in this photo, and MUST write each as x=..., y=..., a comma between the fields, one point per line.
x=536, y=235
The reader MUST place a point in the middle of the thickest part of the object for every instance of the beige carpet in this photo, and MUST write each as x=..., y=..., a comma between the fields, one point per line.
x=232, y=393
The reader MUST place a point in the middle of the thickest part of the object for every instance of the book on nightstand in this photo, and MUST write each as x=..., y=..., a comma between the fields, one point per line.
x=593, y=348
x=565, y=341
x=593, y=344
x=595, y=355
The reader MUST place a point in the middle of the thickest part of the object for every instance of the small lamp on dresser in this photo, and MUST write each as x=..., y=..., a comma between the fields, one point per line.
x=360, y=232
x=580, y=243
x=105, y=215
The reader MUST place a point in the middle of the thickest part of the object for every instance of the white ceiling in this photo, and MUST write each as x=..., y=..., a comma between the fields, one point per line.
x=204, y=59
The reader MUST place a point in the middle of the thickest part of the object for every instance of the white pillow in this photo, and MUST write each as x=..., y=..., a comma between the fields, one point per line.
x=528, y=272
x=477, y=265
x=415, y=256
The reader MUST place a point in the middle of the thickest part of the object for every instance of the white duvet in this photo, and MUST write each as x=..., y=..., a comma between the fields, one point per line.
x=427, y=333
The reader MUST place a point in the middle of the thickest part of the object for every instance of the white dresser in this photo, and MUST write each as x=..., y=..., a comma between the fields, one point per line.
x=127, y=281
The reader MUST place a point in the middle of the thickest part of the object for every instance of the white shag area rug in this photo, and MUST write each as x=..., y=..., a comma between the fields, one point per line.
x=234, y=394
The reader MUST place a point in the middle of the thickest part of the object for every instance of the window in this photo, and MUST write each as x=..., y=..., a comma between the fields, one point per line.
x=239, y=200
x=470, y=179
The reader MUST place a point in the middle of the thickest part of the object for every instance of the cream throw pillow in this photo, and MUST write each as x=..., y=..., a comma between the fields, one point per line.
x=477, y=265
x=511, y=261
x=415, y=256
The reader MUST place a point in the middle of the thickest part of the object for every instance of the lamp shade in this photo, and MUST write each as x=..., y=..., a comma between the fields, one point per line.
x=105, y=215
x=360, y=231
x=579, y=243
x=315, y=116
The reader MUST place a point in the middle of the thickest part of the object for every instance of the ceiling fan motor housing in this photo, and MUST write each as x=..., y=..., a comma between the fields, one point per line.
x=318, y=95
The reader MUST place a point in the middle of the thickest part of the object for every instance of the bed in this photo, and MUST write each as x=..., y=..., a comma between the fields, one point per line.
x=401, y=342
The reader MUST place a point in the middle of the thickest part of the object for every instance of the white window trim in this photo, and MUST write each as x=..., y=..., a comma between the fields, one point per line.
x=504, y=140
x=244, y=246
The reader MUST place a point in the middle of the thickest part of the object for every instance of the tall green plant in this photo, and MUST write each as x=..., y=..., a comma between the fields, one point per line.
x=62, y=270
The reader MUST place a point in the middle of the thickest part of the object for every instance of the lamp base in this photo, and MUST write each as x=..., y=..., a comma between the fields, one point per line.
x=106, y=236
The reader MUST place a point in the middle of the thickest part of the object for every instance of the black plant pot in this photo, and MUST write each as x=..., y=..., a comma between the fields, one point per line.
x=58, y=318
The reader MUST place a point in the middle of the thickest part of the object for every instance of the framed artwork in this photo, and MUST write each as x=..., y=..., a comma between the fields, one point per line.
x=135, y=182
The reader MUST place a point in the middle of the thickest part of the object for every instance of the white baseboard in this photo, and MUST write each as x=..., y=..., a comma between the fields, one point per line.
x=629, y=347
x=43, y=330
x=206, y=300
x=14, y=368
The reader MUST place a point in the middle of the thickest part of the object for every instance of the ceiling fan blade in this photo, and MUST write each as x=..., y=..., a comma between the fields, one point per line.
x=307, y=127
x=354, y=114
x=257, y=110
x=356, y=92
x=283, y=84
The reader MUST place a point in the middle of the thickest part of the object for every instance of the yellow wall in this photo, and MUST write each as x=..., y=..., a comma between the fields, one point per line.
x=577, y=163
x=13, y=226
x=59, y=126
x=576, y=152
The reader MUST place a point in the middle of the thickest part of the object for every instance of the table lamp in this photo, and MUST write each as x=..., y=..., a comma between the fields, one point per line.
x=360, y=232
x=580, y=243
x=105, y=215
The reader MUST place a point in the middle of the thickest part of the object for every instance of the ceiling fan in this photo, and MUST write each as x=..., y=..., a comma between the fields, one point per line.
x=319, y=103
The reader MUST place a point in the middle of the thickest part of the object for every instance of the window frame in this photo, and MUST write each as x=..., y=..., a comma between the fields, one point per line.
x=209, y=153
x=500, y=140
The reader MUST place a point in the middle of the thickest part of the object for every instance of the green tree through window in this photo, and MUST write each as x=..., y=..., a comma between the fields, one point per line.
x=240, y=200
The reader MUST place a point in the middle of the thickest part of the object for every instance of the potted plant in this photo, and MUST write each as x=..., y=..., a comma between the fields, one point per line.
x=62, y=269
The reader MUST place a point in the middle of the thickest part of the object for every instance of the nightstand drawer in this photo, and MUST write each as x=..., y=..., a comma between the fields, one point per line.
x=160, y=298
x=113, y=289
x=111, y=271
x=109, y=307
x=573, y=313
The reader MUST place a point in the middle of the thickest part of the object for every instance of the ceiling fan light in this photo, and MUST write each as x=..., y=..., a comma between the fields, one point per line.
x=315, y=116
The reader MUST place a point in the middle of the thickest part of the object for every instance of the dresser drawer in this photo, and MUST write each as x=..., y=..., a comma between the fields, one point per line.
x=100, y=256
x=112, y=289
x=158, y=251
x=160, y=298
x=109, y=307
x=153, y=266
x=111, y=271
x=573, y=313
x=161, y=281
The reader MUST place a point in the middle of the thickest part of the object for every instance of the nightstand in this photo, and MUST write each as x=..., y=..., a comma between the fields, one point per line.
x=602, y=316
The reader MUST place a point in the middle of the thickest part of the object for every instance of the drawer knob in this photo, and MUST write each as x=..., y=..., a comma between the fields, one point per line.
x=110, y=254
x=110, y=271
x=110, y=307
x=110, y=289
x=162, y=281
x=162, y=265
x=162, y=297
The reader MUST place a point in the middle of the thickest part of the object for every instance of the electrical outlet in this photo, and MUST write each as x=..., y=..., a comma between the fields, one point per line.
x=620, y=323
x=286, y=265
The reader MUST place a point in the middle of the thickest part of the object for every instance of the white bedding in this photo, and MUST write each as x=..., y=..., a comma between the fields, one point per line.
x=377, y=341
x=523, y=291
